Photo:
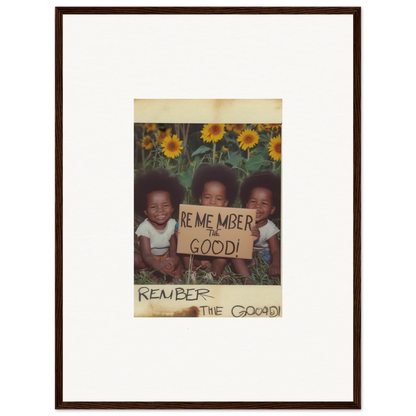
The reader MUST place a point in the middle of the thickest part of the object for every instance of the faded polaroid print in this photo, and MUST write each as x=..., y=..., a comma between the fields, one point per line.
x=207, y=216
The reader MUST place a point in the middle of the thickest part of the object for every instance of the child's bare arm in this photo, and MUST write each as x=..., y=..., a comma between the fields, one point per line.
x=255, y=232
x=274, y=246
x=174, y=267
x=148, y=256
x=173, y=257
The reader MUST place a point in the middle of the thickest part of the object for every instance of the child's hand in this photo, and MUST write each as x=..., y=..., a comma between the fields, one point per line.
x=274, y=270
x=177, y=275
x=169, y=266
x=166, y=267
x=176, y=271
x=177, y=232
x=173, y=260
x=255, y=232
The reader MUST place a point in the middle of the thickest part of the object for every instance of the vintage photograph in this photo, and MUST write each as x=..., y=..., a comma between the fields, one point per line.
x=207, y=203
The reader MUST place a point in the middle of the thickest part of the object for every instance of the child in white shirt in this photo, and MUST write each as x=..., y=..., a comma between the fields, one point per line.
x=261, y=191
x=156, y=196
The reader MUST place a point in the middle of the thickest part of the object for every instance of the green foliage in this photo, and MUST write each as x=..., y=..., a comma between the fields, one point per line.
x=258, y=271
x=194, y=152
x=201, y=149
x=234, y=160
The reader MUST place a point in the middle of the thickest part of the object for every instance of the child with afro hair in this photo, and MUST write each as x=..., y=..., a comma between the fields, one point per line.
x=261, y=191
x=156, y=196
x=216, y=186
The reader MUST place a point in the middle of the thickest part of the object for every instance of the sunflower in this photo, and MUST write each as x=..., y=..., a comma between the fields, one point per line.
x=162, y=134
x=172, y=146
x=248, y=138
x=150, y=127
x=212, y=132
x=224, y=149
x=238, y=128
x=275, y=148
x=147, y=142
x=259, y=127
x=272, y=126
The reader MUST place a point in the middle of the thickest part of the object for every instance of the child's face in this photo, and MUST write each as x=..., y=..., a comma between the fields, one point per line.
x=261, y=199
x=214, y=195
x=159, y=208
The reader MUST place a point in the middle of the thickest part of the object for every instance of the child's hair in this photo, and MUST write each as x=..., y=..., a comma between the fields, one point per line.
x=215, y=173
x=262, y=180
x=157, y=180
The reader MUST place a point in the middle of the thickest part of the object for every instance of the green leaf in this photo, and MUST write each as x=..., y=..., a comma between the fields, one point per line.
x=185, y=178
x=254, y=163
x=201, y=149
x=229, y=139
x=234, y=152
x=260, y=150
x=234, y=160
x=264, y=138
x=197, y=160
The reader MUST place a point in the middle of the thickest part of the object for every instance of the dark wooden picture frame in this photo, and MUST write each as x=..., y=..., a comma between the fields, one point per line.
x=356, y=14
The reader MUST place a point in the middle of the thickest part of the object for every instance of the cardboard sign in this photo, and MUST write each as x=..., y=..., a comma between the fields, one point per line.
x=217, y=232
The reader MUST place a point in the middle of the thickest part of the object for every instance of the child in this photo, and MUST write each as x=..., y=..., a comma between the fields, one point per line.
x=215, y=186
x=261, y=191
x=156, y=196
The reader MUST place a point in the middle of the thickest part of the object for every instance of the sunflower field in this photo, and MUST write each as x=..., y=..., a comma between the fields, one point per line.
x=180, y=148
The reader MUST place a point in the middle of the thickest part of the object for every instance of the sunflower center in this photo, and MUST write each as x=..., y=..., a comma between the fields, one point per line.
x=277, y=147
x=249, y=139
x=215, y=129
x=172, y=146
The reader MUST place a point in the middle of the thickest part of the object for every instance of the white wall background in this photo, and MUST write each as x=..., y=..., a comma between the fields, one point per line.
x=312, y=347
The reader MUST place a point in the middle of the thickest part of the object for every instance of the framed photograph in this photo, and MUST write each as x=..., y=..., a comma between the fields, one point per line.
x=235, y=155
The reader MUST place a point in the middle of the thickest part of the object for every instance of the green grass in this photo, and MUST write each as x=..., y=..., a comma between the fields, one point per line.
x=259, y=276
